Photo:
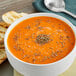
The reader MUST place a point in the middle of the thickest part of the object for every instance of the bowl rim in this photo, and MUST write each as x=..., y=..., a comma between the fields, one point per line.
x=36, y=15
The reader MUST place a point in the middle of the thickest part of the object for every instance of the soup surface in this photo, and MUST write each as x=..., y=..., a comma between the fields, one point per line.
x=41, y=40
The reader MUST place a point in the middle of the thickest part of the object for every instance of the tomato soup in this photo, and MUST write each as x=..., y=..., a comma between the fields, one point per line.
x=41, y=40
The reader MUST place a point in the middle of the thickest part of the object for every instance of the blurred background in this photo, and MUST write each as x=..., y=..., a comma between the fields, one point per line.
x=16, y=5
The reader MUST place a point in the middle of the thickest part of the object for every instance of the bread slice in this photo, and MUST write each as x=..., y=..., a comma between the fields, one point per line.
x=2, y=55
x=1, y=46
x=3, y=24
x=3, y=28
x=11, y=16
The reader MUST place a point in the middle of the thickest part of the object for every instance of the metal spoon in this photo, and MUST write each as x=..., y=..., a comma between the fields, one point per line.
x=57, y=6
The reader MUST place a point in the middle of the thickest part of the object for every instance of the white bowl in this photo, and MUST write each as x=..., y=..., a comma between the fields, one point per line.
x=52, y=69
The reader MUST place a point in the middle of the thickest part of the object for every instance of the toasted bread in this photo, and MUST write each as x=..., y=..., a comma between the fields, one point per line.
x=3, y=28
x=1, y=38
x=11, y=16
x=2, y=55
x=3, y=24
x=1, y=46
x=2, y=31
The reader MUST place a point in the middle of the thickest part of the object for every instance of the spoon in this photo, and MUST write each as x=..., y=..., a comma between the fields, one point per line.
x=57, y=6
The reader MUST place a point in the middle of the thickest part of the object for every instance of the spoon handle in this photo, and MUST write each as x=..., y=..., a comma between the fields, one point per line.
x=71, y=14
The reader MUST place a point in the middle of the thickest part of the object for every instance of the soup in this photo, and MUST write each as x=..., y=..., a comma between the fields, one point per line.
x=41, y=40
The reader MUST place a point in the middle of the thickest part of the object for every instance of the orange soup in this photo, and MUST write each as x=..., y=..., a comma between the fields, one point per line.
x=41, y=40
